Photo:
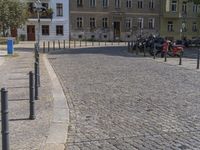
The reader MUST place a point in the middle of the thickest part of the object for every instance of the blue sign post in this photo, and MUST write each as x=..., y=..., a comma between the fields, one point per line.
x=10, y=46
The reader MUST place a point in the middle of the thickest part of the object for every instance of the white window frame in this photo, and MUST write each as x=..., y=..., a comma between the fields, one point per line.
x=140, y=23
x=105, y=3
x=174, y=6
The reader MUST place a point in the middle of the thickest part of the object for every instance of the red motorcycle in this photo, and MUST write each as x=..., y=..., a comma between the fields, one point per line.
x=172, y=50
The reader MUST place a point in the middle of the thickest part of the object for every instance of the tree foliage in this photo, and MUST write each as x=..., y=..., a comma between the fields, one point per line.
x=13, y=13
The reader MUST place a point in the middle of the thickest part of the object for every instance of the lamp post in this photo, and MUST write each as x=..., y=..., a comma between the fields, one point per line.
x=38, y=8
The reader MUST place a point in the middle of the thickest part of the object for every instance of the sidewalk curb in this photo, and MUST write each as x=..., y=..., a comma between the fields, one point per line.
x=59, y=125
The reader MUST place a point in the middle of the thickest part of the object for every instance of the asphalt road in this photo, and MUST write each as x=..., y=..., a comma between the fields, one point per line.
x=120, y=102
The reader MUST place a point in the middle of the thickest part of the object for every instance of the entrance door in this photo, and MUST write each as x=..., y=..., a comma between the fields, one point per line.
x=116, y=30
x=13, y=32
x=31, y=33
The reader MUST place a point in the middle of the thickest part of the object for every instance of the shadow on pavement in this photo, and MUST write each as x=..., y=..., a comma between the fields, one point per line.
x=112, y=51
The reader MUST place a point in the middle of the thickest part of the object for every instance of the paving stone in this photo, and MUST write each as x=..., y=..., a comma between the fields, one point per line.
x=120, y=101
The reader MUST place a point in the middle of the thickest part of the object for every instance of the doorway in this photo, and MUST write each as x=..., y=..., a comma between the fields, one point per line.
x=117, y=30
x=31, y=33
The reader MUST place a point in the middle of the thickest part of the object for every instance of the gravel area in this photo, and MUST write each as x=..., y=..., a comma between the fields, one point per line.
x=26, y=134
x=120, y=102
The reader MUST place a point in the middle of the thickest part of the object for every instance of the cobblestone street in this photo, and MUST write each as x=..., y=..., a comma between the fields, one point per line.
x=121, y=102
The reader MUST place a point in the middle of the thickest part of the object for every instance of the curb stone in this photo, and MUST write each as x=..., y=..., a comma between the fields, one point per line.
x=59, y=126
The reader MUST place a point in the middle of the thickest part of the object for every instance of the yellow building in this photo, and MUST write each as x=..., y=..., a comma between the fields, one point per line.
x=179, y=19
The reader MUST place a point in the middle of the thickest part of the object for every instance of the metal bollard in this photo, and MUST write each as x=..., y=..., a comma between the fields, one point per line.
x=105, y=43
x=4, y=119
x=59, y=44
x=69, y=44
x=74, y=44
x=54, y=45
x=129, y=46
x=180, y=58
x=31, y=96
x=144, y=51
x=99, y=43
x=165, y=56
x=43, y=47
x=92, y=42
x=198, y=56
x=36, y=81
x=64, y=44
x=154, y=52
x=48, y=46
x=80, y=43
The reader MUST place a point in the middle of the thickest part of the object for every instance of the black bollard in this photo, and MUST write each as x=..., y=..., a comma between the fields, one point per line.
x=31, y=96
x=74, y=44
x=59, y=44
x=99, y=43
x=54, y=45
x=144, y=51
x=180, y=58
x=154, y=52
x=64, y=44
x=198, y=57
x=36, y=81
x=129, y=46
x=92, y=42
x=105, y=43
x=43, y=47
x=80, y=43
x=48, y=46
x=165, y=56
x=4, y=119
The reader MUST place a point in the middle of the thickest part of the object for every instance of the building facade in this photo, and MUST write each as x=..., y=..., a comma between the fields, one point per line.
x=179, y=19
x=114, y=19
x=54, y=21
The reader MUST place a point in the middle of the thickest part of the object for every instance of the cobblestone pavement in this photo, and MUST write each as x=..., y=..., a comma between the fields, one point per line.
x=26, y=134
x=120, y=102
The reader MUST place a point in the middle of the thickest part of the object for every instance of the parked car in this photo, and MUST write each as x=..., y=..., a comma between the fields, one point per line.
x=183, y=42
x=195, y=41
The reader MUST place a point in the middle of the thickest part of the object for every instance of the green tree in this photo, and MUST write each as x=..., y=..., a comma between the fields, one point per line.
x=13, y=14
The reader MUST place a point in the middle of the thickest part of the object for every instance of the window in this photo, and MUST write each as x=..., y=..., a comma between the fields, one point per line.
x=140, y=23
x=92, y=3
x=184, y=29
x=45, y=30
x=117, y=3
x=195, y=8
x=105, y=22
x=79, y=22
x=92, y=23
x=59, y=30
x=184, y=7
x=128, y=3
x=151, y=4
x=128, y=24
x=151, y=23
x=170, y=26
x=174, y=5
x=140, y=3
x=59, y=8
x=194, y=27
x=105, y=3
x=79, y=3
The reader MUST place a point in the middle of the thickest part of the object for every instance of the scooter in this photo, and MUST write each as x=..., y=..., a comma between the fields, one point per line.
x=174, y=50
